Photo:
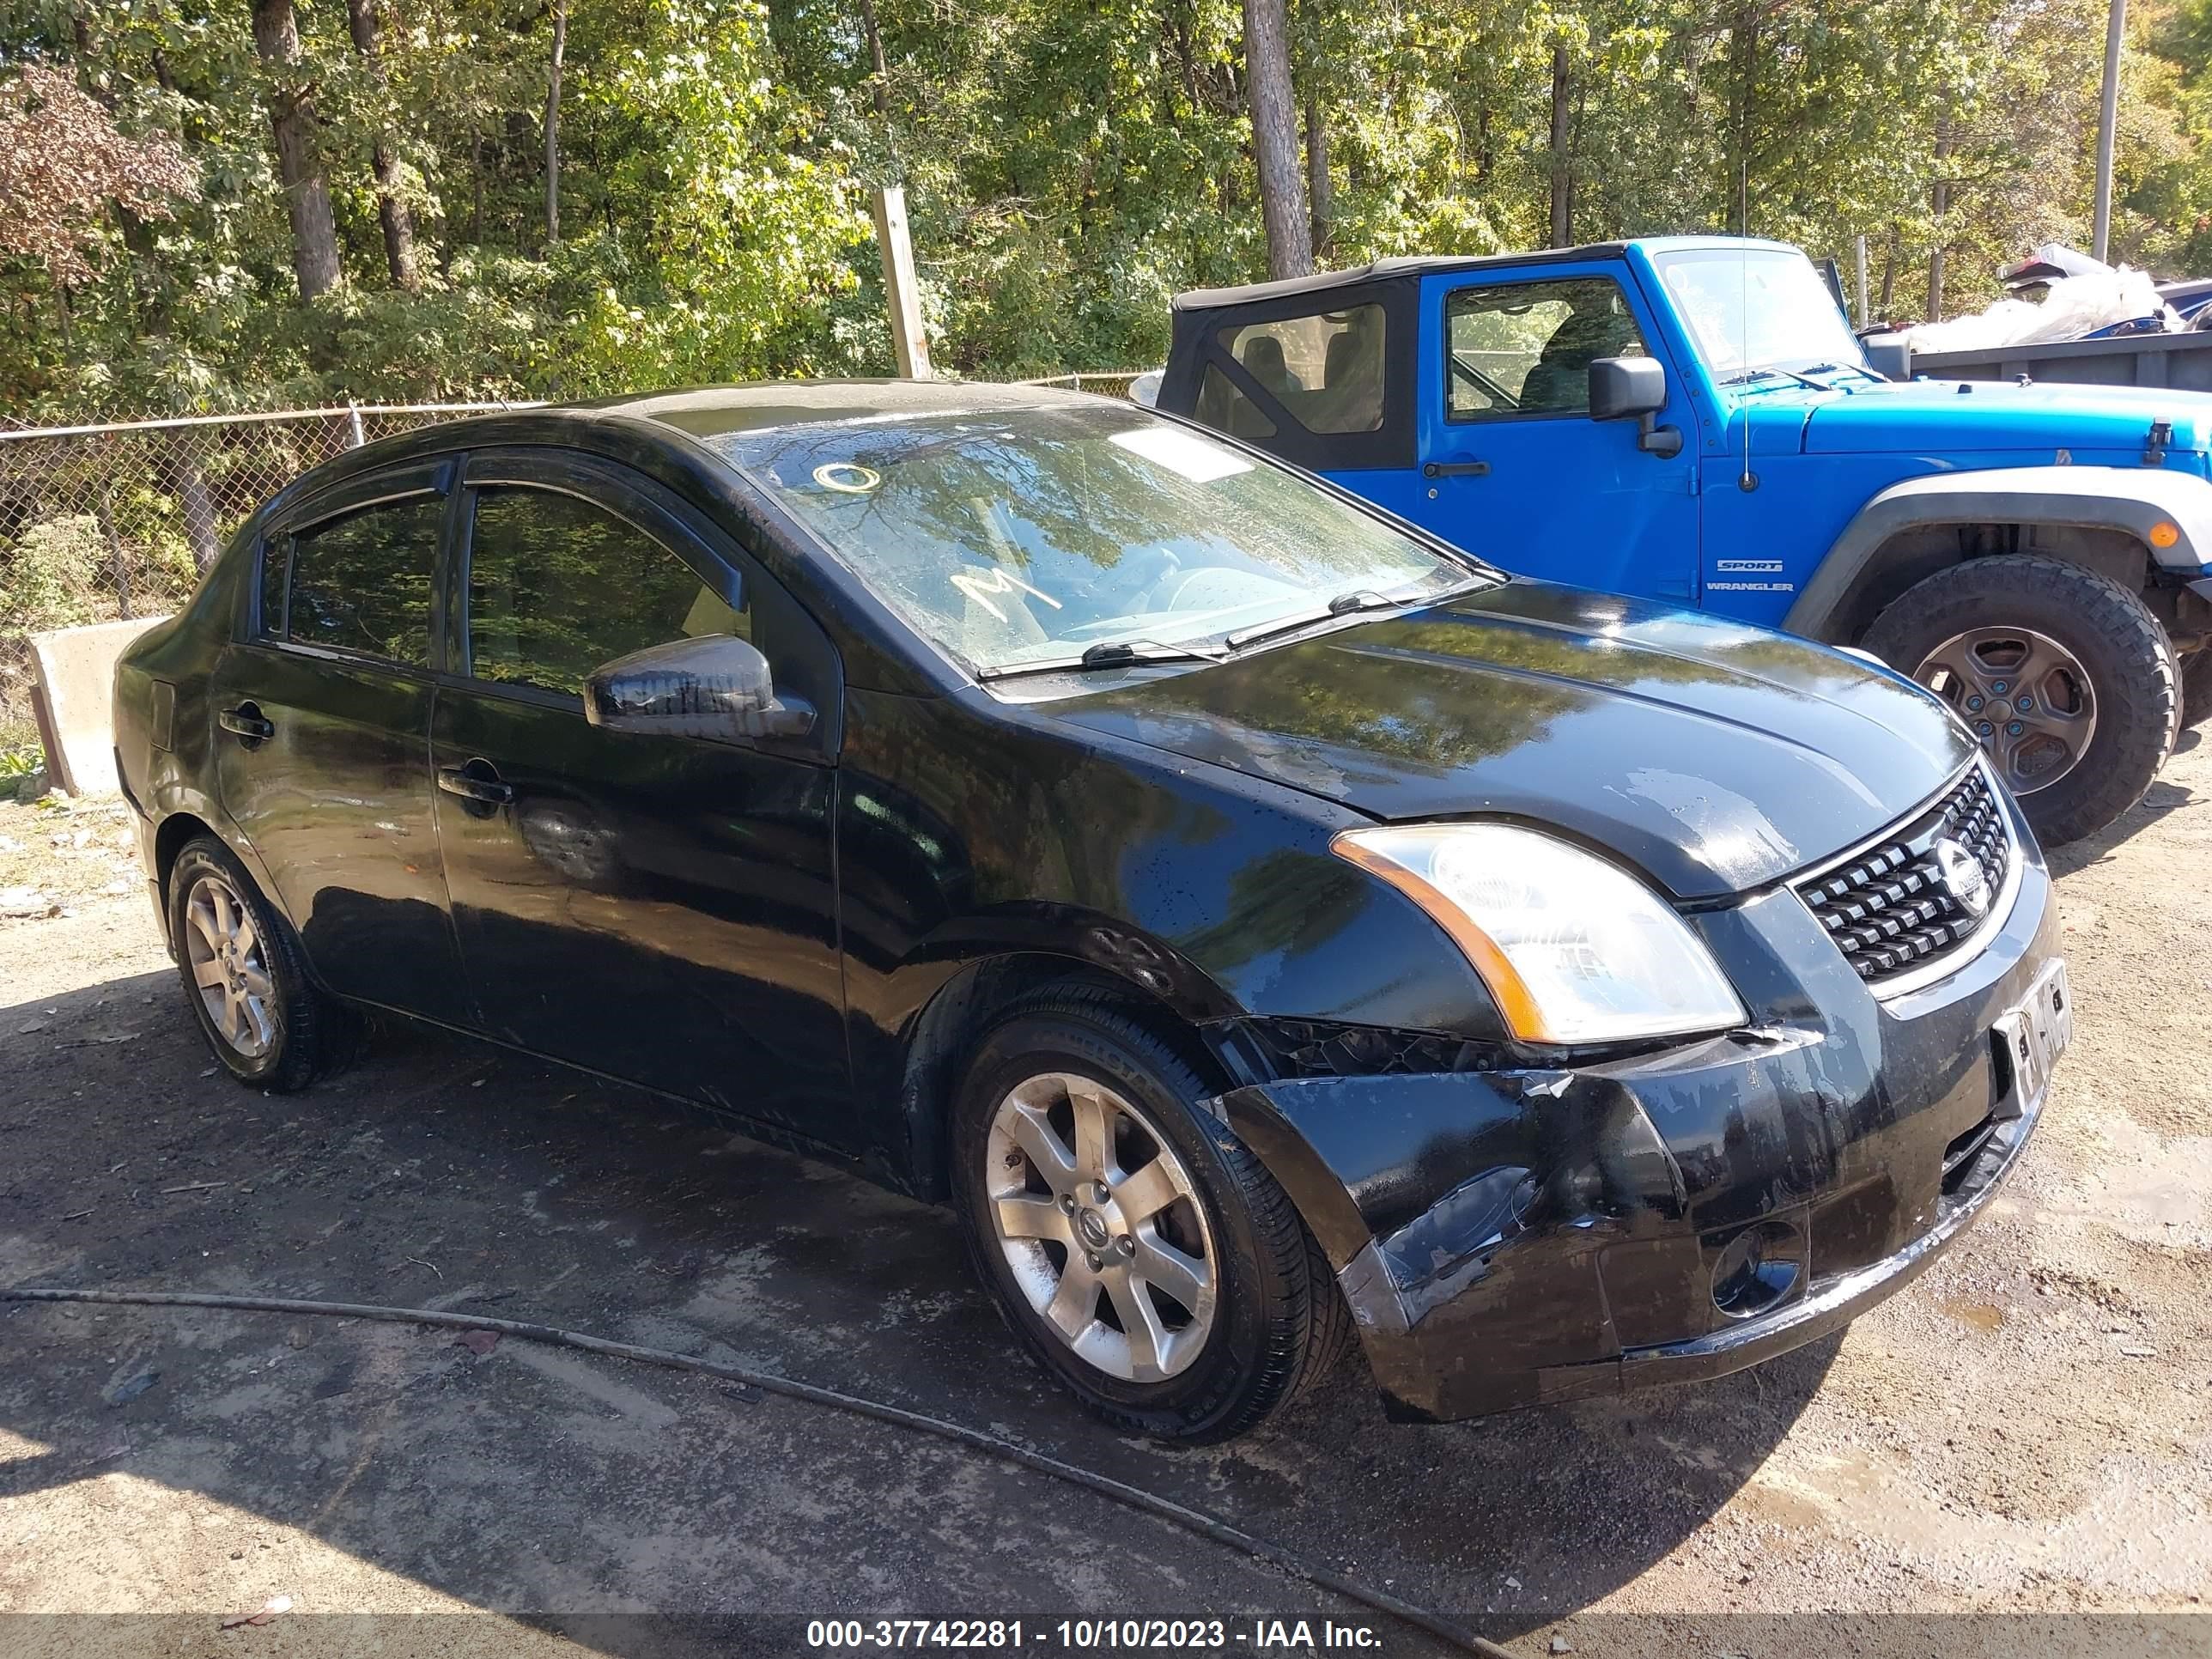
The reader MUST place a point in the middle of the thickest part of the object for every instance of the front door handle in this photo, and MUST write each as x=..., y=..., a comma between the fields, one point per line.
x=1456, y=470
x=246, y=722
x=475, y=781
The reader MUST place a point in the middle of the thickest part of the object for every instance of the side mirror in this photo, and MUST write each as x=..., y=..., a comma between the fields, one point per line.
x=1624, y=388
x=717, y=689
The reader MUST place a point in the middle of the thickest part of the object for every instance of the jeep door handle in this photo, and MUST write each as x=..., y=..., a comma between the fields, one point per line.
x=474, y=785
x=1456, y=470
x=246, y=722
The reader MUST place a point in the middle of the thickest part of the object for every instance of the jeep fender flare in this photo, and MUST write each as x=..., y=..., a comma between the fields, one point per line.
x=2127, y=500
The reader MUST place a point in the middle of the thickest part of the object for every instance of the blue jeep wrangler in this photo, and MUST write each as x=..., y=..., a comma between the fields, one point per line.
x=1690, y=420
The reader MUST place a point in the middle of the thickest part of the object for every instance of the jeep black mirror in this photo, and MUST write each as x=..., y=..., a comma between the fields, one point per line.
x=717, y=688
x=1889, y=355
x=1624, y=388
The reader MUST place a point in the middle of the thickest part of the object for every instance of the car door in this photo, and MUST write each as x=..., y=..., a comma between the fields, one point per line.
x=659, y=909
x=322, y=758
x=1512, y=466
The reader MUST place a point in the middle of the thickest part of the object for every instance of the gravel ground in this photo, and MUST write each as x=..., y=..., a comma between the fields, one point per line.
x=2027, y=1432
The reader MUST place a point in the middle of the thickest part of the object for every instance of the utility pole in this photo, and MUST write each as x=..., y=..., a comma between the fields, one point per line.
x=908, y=343
x=2116, y=28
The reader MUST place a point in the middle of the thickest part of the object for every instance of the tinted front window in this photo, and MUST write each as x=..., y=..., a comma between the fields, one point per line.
x=558, y=587
x=1030, y=535
x=362, y=582
x=1526, y=348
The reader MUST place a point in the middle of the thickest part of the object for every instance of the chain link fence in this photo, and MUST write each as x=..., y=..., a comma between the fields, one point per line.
x=113, y=521
x=107, y=522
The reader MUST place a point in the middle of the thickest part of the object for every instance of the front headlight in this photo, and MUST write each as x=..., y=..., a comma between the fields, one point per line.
x=1574, y=948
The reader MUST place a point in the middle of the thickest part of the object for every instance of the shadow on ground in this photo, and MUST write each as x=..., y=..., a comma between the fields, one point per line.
x=438, y=1174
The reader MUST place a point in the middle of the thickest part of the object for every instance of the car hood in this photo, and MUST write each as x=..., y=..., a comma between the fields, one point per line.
x=1957, y=417
x=1714, y=757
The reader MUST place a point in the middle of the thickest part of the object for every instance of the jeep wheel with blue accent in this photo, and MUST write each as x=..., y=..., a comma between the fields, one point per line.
x=2066, y=677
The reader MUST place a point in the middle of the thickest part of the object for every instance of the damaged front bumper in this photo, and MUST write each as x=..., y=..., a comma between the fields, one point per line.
x=1517, y=1238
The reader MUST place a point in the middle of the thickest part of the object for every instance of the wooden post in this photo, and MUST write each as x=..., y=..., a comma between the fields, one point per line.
x=904, y=298
x=2115, y=37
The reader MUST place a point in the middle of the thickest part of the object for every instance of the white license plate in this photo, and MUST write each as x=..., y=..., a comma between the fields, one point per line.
x=2033, y=1034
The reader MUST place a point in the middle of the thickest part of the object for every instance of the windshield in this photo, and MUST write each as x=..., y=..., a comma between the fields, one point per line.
x=1033, y=536
x=1752, y=308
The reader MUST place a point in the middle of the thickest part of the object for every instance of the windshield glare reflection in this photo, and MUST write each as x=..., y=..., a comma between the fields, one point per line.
x=1752, y=308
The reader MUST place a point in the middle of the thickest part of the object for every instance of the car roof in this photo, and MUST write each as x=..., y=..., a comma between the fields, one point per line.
x=613, y=426
x=712, y=411
x=1417, y=265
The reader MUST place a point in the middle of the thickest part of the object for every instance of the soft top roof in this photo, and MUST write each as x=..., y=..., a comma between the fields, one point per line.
x=1412, y=267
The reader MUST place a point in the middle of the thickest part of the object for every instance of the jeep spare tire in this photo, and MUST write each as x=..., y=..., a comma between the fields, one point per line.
x=2069, y=680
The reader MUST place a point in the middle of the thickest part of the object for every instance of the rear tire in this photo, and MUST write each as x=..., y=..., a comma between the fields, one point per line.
x=1271, y=1319
x=2092, y=664
x=243, y=978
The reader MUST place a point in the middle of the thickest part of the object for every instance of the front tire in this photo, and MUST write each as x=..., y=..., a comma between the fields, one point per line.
x=243, y=976
x=1142, y=1252
x=2067, y=677
x=2196, y=687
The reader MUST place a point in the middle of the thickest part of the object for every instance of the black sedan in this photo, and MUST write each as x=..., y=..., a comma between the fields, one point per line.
x=1263, y=922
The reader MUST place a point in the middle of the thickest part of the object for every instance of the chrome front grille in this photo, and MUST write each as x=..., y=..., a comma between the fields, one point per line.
x=1891, y=907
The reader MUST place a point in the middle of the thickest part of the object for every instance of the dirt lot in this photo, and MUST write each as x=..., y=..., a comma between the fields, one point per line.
x=2027, y=1430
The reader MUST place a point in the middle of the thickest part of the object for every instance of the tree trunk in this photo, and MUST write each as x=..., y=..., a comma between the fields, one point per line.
x=188, y=461
x=119, y=561
x=1321, y=192
x=553, y=125
x=1275, y=137
x=879, y=76
x=1939, y=203
x=1562, y=173
x=292, y=122
x=391, y=210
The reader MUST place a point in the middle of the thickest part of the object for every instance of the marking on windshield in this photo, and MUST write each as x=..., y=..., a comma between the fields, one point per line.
x=848, y=478
x=980, y=585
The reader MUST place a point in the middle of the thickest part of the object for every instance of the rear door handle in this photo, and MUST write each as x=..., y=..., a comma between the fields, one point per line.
x=481, y=785
x=246, y=722
x=1456, y=470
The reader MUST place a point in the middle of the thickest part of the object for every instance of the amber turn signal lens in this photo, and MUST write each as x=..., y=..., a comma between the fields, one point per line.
x=2163, y=534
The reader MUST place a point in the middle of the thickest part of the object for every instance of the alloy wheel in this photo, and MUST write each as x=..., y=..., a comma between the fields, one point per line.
x=1102, y=1223
x=2027, y=697
x=223, y=955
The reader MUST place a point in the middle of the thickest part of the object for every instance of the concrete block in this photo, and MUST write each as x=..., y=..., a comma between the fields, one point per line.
x=74, y=685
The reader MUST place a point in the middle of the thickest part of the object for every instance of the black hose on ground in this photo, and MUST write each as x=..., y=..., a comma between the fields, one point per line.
x=1121, y=1492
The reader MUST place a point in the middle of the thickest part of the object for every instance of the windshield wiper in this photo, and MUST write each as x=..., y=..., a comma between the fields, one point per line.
x=1344, y=605
x=1748, y=375
x=1106, y=653
x=1859, y=369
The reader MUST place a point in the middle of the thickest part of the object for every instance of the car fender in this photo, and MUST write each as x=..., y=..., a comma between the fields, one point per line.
x=170, y=796
x=2132, y=501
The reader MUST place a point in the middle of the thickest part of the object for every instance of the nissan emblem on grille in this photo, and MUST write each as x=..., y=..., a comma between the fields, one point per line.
x=1962, y=878
x=1922, y=892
